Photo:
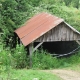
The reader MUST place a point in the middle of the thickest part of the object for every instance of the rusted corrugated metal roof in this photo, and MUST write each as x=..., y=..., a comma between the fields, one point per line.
x=36, y=27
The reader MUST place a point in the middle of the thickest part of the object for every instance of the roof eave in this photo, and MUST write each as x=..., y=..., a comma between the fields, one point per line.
x=72, y=28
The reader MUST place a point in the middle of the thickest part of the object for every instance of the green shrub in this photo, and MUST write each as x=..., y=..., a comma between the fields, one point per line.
x=75, y=59
x=43, y=60
x=16, y=59
x=5, y=58
x=20, y=57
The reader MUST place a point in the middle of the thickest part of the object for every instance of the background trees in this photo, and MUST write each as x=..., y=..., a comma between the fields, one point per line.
x=13, y=13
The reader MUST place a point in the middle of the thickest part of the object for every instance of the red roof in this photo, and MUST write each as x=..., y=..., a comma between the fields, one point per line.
x=36, y=27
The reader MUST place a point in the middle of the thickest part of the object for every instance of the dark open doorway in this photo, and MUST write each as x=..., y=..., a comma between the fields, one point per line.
x=60, y=47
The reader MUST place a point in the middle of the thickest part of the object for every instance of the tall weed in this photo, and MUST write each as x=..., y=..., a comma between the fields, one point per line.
x=43, y=60
x=5, y=58
x=20, y=57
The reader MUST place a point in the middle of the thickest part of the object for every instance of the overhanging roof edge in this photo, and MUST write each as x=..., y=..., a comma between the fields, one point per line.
x=72, y=28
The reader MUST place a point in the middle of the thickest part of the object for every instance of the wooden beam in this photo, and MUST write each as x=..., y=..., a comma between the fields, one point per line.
x=30, y=53
x=31, y=50
x=37, y=46
x=78, y=42
x=20, y=42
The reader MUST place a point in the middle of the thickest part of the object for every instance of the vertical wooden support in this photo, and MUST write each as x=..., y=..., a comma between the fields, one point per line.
x=30, y=53
x=20, y=42
x=31, y=50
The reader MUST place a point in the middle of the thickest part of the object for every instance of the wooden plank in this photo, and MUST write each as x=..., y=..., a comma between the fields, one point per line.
x=20, y=42
x=59, y=32
x=71, y=35
x=51, y=37
x=53, y=34
x=78, y=36
x=30, y=53
x=75, y=36
x=41, y=39
x=47, y=36
x=37, y=46
x=63, y=33
x=68, y=33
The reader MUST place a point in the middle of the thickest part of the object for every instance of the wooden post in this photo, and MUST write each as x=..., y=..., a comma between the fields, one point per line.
x=30, y=53
x=31, y=50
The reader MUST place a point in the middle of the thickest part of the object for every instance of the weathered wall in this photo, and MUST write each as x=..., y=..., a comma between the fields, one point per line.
x=60, y=33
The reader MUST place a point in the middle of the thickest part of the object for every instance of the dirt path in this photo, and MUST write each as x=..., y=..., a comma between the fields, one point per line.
x=66, y=74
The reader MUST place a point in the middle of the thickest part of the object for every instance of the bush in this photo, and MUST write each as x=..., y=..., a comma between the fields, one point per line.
x=16, y=59
x=43, y=60
x=20, y=57
x=5, y=58
x=13, y=13
x=3, y=55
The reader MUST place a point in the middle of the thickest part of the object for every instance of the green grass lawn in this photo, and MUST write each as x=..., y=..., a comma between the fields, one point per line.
x=25, y=74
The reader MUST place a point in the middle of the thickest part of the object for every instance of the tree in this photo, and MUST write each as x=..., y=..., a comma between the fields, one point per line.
x=67, y=2
x=75, y=3
x=12, y=15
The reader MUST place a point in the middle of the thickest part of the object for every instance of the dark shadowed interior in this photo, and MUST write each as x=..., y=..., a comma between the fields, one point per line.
x=60, y=47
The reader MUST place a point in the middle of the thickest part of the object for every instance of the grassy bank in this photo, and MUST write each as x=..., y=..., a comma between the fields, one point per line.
x=74, y=67
x=25, y=74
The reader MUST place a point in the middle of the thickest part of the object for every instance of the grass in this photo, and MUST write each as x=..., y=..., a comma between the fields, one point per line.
x=75, y=67
x=24, y=74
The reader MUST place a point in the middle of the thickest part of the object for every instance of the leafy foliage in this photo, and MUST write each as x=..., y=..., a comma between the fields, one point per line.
x=20, y=57
x=4, y=56
x=15, y=58
x=43, y=60
x=13, y=13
